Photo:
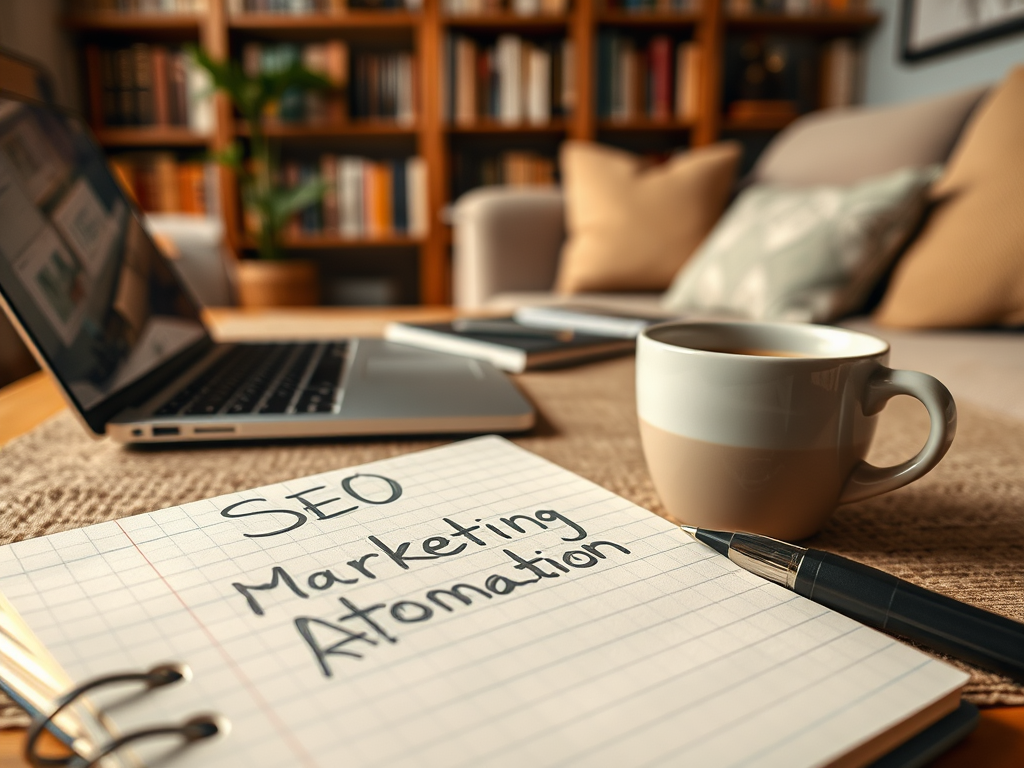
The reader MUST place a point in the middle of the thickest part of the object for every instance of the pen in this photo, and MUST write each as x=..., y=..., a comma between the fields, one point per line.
x=878, y=599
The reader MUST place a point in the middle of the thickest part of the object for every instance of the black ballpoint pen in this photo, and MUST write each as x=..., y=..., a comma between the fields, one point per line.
x=878, y=599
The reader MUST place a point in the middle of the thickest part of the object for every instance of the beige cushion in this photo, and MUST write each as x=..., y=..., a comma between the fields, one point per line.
x=846, y=146
x=966, y=268
x=631, y=228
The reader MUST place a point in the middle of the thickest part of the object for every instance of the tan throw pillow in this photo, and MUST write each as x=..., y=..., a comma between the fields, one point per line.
x=966, y=268
x=631, y=228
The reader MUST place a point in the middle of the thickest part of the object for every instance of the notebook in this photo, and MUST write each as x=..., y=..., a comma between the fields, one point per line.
x=469, y=605
x=506, y=344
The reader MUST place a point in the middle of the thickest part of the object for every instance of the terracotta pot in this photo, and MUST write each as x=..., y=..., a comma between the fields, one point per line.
x=287, y=283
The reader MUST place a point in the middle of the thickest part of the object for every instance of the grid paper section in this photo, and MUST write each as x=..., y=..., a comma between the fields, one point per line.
x=637, y=646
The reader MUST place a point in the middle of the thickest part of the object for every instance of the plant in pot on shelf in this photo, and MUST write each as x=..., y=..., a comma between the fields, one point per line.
x=272, y=279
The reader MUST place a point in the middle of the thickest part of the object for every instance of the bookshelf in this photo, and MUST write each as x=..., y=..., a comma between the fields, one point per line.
x=519, y=141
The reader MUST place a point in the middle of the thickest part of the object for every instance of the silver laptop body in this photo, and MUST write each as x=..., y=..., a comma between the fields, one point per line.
x=105, y=313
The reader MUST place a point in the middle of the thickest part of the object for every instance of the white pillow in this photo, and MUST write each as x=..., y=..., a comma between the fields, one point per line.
x=809, y=254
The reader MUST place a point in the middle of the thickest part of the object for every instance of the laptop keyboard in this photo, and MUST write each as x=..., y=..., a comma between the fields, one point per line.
x=265, y=378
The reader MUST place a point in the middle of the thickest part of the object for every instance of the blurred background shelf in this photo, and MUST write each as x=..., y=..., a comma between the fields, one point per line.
x=649, y=81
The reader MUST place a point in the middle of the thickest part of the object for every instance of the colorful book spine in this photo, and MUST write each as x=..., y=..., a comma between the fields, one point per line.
x=512, y=81
x=159, y=182
x=652, y=82
x=146, y=85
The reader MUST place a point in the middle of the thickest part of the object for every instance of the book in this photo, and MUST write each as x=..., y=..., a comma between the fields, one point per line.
x=467, y=605
x=142, y=85
x=160, y=182
x=839, y=65
x=646, y=81
x=585, y=319
x=508, y=79
x=507, y=344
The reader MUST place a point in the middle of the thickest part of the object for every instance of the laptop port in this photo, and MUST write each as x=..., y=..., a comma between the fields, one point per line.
x=213, y=430
x=165, y=431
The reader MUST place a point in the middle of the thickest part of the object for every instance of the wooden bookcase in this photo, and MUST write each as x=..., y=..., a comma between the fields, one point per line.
x=429, y=136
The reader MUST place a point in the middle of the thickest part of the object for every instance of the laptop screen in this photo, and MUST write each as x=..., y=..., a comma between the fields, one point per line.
x=87, y=283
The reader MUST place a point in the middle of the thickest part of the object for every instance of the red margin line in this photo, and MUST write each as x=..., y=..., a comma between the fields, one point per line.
x=296, y=745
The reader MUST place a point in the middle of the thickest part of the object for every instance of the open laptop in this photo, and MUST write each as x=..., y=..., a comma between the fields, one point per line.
x=107, y=316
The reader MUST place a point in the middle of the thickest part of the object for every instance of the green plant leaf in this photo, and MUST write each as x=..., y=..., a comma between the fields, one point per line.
x=232, y=156
x=285, y=202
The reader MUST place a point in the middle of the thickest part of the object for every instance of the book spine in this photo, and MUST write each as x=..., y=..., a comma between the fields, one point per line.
x=142, y=76
x=416, y=189
x=329, y=177
x=692, y=86
x=94, y=73
x=200, y=106
x=465, y=81
x=292, y=177
x=125, y=87
x=385, y=199
x=540, y=87
x=400, y=196
x=661, y=76
x=161, y=86
x=568, y=96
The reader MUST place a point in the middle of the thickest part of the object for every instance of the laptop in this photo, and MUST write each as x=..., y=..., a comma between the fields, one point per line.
x=106, y=314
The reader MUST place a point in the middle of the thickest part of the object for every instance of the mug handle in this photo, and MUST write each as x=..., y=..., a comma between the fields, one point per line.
x=867, y=480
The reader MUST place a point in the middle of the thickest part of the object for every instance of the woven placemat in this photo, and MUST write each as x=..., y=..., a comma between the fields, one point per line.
x=959, y=530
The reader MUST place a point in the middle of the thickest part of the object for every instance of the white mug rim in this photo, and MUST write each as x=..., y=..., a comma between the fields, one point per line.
x=881, y=347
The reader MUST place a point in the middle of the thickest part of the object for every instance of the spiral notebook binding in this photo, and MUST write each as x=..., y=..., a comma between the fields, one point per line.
x=194, y=729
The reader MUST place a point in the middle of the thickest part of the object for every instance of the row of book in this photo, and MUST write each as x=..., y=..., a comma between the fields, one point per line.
x=656, y=6
x=384, y=86
x=363, y=198
x=145, y=84
x=330, y=59
x=796, y=7
x=140, y=6
x=161, y=183
x=365, y=84
x=301, y=7
x=512, y=168
x=659, y=82
x=515, y=7
x=512, y=81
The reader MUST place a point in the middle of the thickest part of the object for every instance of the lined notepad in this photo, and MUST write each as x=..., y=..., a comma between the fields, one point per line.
x=466, y=605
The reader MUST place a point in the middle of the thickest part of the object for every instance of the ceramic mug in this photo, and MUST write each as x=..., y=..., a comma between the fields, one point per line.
x=763, y=427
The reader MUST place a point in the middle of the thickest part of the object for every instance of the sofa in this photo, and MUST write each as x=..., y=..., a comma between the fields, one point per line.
x=507, y=241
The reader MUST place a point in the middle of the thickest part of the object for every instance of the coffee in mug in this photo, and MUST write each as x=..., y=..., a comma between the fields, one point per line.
x=763, y=427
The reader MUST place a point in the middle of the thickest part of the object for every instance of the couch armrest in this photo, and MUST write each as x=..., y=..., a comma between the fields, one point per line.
x=506, y=239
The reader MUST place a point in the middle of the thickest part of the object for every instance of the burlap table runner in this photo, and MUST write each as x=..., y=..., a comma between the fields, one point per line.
x=960, y=530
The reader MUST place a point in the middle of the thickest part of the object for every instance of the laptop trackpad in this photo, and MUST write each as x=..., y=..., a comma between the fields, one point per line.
x=390, y=364
x=390, y=380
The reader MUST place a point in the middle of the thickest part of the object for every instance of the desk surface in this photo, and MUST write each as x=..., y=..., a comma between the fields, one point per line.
x=998, y=741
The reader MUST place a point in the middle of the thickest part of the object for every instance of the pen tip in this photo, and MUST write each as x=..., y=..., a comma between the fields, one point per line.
x=689, y=529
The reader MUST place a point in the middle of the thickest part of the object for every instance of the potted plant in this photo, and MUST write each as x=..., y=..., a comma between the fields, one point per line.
x=272, y=279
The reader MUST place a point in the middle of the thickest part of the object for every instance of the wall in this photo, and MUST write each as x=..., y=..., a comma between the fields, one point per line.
x=888, y=79
x=32, y=29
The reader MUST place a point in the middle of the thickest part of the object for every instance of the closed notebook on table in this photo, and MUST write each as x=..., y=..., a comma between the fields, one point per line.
x=510, y=346
x=469, y=605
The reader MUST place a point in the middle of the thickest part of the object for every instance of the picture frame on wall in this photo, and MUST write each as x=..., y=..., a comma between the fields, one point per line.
x=933, y=27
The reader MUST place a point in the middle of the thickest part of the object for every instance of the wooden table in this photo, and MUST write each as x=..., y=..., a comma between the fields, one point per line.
x=998, y=742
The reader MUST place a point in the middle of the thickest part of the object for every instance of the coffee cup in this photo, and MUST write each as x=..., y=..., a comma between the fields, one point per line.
x=763, y=427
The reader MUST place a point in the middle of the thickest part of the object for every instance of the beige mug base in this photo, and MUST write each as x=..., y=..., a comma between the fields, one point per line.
x=786, y=494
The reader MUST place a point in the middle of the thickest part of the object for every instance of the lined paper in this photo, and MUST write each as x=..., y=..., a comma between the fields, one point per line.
x=637, y=647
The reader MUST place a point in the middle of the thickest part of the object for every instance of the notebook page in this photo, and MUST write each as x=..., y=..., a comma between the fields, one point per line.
x=584, y=630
